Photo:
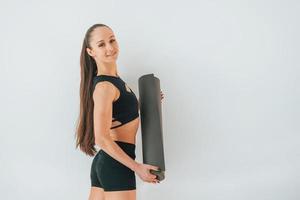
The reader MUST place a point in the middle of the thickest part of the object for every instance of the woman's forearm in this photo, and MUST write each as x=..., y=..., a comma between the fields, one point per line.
x=112, y=148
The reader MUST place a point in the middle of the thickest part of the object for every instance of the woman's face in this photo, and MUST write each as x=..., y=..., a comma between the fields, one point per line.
x=104, y=46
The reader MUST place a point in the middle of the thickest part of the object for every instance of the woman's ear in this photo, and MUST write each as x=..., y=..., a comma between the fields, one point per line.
x=89, y=51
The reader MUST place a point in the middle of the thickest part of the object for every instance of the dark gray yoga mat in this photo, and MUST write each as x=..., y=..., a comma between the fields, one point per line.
x=151, y=123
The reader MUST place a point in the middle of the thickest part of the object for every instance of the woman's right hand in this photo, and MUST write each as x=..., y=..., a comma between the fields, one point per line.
x=143, y=171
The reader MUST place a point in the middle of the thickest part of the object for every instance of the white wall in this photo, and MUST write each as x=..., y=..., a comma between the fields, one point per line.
x=229, y=71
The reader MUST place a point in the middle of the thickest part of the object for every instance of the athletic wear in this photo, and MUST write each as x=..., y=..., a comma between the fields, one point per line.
x=110, y=174
x=125, y=108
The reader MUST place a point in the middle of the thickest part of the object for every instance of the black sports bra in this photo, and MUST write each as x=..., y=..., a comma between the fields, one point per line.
x=125, y=108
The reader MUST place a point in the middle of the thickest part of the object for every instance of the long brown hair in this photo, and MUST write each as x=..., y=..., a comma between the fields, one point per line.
x=85, y=138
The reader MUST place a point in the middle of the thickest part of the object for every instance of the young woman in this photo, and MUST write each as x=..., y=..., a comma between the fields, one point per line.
x=109, y=118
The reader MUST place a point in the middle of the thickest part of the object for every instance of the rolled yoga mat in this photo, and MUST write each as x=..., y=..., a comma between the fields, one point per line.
x=151, y=123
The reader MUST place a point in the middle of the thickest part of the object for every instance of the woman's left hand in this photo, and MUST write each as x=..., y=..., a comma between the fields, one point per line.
x=161, y=96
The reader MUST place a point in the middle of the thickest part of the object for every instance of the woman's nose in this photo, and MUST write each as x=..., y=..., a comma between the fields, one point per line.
x=110, y=47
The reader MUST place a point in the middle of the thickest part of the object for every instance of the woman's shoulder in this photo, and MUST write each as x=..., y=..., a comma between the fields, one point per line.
x=116, y=81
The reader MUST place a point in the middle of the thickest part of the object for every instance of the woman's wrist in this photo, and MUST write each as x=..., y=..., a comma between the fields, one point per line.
x=134, y=165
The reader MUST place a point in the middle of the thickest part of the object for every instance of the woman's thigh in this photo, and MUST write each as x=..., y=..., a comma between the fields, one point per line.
x=96, y=193
x=120, y=195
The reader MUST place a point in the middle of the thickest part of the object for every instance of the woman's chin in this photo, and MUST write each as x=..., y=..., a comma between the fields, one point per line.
x=111, y=60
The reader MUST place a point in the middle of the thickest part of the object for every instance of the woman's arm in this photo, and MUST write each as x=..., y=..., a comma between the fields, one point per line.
x=103, y=96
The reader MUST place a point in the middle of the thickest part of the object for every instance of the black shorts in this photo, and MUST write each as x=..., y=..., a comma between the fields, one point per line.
x=110, y=174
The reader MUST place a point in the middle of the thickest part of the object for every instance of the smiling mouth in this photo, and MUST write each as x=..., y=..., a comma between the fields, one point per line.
x=111, y=55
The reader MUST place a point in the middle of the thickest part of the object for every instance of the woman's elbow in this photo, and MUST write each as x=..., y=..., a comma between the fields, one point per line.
x=101, y=139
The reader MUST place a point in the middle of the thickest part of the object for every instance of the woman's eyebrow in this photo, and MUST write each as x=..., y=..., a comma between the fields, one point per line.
x=102, y=40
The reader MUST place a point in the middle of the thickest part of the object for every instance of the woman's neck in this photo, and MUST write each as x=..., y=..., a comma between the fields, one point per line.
x=109, y=69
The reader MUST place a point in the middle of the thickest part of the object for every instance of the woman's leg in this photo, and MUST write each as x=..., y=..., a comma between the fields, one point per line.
x=120, y=195
x=96, y=193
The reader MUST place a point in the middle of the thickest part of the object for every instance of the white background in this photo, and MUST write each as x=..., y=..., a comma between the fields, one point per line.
x=229, y=71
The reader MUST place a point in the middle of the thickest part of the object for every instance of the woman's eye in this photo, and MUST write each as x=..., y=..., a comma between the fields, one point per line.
x=102, y=43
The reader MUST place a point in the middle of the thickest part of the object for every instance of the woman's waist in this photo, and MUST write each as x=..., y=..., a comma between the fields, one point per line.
x=124, y=137
x=128, y=148
x=126, y=132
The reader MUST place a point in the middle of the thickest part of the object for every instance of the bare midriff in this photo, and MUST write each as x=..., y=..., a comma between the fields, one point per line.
x=126, y=132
